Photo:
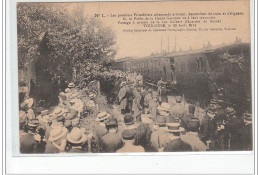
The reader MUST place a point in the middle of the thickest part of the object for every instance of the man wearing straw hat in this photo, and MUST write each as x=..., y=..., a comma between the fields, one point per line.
x=176, y=143
x=100, y=127
x=28, y=144
x=160, y=137
x=57, y=140
x=57, y=120
x=76, y=139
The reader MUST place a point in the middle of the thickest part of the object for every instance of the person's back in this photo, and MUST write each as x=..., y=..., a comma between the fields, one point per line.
x=27, y=143
x=177, y=145
x=193, y=140
x=111, y=142
x=159, y=139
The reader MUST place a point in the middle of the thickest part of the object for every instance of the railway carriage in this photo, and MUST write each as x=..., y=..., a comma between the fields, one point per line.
x=228, y=65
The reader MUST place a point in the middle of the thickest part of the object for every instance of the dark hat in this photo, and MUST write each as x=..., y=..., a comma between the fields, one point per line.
x=191, y=108
x=33, y=123
x=112, y=122
x=211, y=110
x=160, y=120
x=194, y=124
x=129, y=134
x=178, y=99
x=247, y=117
x=230, y=111
x=128, y=119
x=60, y=118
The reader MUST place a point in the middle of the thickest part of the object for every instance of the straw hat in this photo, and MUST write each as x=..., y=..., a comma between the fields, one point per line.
x=33, y=123
x=71, y=85
x=29, y=102
x=44, y=112
x=164, y=107
x=58, y=111
x=92, y=95
x=174, y=127
x=102, y=116
x=22, y=117
x=57, y=133
x=76, y=136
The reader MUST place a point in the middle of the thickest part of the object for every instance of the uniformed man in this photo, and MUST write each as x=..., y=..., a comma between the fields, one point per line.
x=122, y=97
x=137, y=107
x=147, y=99
x=192, y=136
x=247, y=132
x=112, y=141
x=154, y=104
x=208, y=128
x=28, y=144
x=235, y=127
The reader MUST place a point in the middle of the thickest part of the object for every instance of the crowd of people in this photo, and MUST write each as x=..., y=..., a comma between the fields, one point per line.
x=146, y=122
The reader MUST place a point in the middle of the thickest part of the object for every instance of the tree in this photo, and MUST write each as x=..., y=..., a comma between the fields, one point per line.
x=59, y=39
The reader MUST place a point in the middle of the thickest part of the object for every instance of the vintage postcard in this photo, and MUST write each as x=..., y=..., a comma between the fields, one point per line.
x=124, y=77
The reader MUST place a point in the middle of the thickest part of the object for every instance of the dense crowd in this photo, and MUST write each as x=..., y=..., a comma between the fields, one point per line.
x=146, y=122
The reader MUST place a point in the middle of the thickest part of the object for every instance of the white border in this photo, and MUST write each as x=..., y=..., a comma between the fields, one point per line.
x=195, y=163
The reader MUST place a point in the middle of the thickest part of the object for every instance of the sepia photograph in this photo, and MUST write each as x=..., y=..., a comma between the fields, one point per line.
x=134, y=77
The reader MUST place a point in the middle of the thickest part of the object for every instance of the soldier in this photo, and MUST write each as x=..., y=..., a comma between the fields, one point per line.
x=164, y=93
x=247, y=132
x=235, y=127
x=122, y=97
x=176, y=143
x=137, y=107
x=160, y=137
x=159, y=85
x=207, y=128
x=147, y=99
x=28, y=144
x=112, y=141
x=154, y=104
x=186, y=118
x=192, y=136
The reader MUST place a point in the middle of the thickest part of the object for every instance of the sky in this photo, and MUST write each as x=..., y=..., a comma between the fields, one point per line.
x=140, y=44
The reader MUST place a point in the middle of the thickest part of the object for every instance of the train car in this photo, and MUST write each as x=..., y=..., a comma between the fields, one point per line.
x=227, y=65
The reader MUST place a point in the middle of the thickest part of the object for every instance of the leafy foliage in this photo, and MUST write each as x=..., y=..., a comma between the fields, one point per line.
x=60, y=39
